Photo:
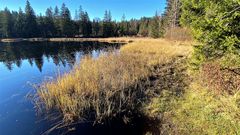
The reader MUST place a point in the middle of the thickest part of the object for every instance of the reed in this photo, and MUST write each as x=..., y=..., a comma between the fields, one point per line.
x=112, y=85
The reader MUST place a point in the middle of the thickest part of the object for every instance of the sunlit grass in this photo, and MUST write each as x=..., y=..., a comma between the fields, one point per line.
x=203, y=112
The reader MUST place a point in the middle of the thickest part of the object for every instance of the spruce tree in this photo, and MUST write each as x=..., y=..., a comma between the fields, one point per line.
x=49, y=21
x=124, y=27
x=107, y=25
x=7, y=23
x=31, y=29
x=144, y=26
x=1, y=24
x=96, y=27
x=155, y=26
x=66, y=22
x=20, y=23
x=57, y=22
x=84, y=24
x=215, y=24
x=172, y=14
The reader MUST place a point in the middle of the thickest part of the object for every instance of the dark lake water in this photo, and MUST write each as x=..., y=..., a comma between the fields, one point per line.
x=26, y=63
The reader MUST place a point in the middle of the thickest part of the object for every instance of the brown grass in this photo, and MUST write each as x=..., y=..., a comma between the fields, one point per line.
x=109, y=86
x=178, y=34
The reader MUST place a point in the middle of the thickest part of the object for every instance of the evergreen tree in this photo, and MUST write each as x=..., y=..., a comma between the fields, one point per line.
x=7, y=24
x=133, y=27
x=31, y=29
x=172, y=14
x=20, y=23
x=85, y=24
x=144, y=27
x=96, y=27
x=107, y=25
x=66, y=22
x=49, y=23
x=1, y=24
x=42, y=26
x=155, y=26
x=124, y=27
x=57, y=22
x=215, y=24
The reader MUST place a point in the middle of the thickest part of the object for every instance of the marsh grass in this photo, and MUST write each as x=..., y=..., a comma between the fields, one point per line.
x=178, y=34
x=112, y=85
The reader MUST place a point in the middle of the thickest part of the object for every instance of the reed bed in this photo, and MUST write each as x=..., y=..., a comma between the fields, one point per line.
x=112, y=85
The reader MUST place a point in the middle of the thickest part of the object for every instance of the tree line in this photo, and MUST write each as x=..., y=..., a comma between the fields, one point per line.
x=59, y=23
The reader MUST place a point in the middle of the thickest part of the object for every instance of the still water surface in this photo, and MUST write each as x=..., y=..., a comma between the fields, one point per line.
x=26, y=63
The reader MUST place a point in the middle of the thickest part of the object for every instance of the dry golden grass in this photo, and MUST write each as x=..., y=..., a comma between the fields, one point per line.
x=179, y=34
x=109, y=85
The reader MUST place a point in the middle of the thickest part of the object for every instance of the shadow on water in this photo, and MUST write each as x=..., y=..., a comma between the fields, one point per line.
x=63, y=53
x=138, y=126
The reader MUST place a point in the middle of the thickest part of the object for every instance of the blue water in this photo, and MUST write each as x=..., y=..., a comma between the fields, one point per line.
x=25, y=64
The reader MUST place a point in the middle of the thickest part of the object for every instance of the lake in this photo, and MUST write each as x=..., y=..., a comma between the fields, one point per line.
x=24, y=64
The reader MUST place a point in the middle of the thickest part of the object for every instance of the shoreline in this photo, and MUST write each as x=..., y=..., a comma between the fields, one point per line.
x=108, y=40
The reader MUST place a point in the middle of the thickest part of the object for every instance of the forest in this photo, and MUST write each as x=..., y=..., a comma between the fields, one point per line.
x=58, y=22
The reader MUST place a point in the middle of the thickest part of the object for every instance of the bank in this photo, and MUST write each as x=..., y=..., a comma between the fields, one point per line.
x=109, y=40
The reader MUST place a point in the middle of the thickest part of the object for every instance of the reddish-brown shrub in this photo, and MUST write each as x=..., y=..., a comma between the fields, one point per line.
x=220, y=79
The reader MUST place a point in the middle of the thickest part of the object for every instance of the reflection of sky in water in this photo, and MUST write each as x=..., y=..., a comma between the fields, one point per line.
x=20, y=69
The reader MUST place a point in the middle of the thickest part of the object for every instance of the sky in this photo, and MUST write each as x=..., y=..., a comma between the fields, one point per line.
x=95, y=8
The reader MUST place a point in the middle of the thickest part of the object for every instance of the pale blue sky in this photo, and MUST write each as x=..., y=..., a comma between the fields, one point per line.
x=95, y=8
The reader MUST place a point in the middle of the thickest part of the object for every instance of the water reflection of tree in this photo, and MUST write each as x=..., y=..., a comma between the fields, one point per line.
x=61, y=53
